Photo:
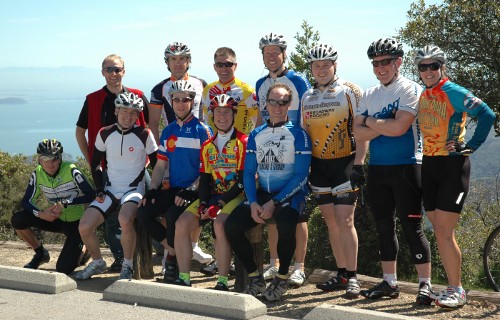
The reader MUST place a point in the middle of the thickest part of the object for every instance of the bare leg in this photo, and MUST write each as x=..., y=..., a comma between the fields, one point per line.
x=348, y=237
x=90, y=220
x=126, y=217
x=327, y=210
x=29, y=237
x=186, y=223
x=222, y=247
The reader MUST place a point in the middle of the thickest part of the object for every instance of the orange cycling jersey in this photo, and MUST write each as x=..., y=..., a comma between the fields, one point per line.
x=328, y=116
x=242, y=93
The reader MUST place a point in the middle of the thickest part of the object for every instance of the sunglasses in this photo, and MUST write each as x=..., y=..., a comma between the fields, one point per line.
x=183, y=100
x=48, y=158
x=433, y=66
x=113, y=69
x=280, y=103
x=224, y=64
x=382, y=62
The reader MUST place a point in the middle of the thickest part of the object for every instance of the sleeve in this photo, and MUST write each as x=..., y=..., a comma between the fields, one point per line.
x=301, y=166
x=157, y=94
x=151, y=145
x=205, y=104
x=83, y=118
x=31, y=195
x=95, y=168
x=84, y=186
x=409, y=100
x=249, y=183
x=205, y=187
x=162, y=148
x=145, y=110
x=362, y=108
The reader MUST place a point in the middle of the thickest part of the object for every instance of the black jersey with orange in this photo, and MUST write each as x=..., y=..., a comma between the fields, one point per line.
x=328, y=117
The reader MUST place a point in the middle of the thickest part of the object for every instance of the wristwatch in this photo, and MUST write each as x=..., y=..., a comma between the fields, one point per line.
x=36, y=214
x=364, y=121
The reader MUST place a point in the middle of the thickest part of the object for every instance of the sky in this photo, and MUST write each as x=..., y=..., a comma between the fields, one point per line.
x=81, y=33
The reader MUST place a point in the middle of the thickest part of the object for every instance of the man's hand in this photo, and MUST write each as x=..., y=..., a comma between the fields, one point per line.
x=357, y=176
x=100, y=195
x=256, y=211
x=150, y=196
x=50, y=214
x=183, y=197
x=459, y=147
x=212, y=212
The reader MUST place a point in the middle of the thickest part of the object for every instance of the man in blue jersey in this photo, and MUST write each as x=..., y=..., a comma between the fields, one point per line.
x=179, y=161
x=273, y=47
x=386, y=118
x=280, y=154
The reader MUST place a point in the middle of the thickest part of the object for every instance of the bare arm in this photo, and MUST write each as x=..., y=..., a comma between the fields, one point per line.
x=82, y=142
x=391, y=127
x=154, y=120
x=157, y=175
x=362, y=133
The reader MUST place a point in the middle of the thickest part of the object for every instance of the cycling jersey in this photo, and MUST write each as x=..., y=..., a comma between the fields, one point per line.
x=281, y=156
x=242, y=93
x=126, y=155
x=186, y=141
x=68, y=184
x=296, y=81
x=328, y=116
x=160, y=97
x=224, y=164
x=382, y=102
x=442, y=116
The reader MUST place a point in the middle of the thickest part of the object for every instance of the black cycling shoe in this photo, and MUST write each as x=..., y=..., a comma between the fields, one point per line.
x=383, y=289
x=38, y=259
x=336, y=282
x=221, y=287
x=180, y=282
x=171, y=272
x=116, y=266
x=424, y=294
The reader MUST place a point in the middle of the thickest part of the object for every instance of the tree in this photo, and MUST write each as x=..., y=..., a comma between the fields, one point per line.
x=305, y=42
x=469, y=33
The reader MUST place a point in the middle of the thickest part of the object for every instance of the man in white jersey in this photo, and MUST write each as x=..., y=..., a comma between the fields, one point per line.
x=386, y=118
x=273, y=48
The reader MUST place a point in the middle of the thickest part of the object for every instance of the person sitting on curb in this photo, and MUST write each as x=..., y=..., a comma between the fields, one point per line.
x=66, y=190
x=125, y=146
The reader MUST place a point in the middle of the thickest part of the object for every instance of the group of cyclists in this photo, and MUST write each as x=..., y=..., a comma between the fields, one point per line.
x=236, y=157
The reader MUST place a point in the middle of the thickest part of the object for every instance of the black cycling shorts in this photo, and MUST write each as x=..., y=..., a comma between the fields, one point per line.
x=445, y=182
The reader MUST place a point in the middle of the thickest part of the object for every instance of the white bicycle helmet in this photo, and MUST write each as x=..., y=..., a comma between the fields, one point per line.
x=385, y=46
x=177, y=49
x=129, y=100
x=272, y=39
x=223, y=100
x=182, y=86
x=430, y=52
x=322, y=52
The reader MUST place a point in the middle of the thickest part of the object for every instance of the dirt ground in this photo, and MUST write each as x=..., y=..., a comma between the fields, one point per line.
x=296, y=302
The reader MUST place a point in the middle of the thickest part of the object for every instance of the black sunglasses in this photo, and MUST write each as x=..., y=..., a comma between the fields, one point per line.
x=113, y=69
x=382, y=62
x=280, y=103
x=433, y=66
x=224, y=64
x=183, y=100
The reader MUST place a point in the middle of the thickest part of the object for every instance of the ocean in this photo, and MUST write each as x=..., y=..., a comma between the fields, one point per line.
x=22, y=126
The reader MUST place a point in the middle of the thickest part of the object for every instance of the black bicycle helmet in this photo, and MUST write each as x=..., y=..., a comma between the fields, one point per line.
x=50, y=148
x=385, y=46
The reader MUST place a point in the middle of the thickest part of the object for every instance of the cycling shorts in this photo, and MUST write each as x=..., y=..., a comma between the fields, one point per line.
x=111, y=201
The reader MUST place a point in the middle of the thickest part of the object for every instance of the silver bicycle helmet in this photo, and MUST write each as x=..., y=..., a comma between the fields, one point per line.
x=177, y=49
x=430, y=52
x=272, y=39
x=223, y=100
x=322, y=52
x=182, y=86
x=129, y=100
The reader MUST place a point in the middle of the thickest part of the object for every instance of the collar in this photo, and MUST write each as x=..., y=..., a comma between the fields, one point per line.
x=184, y=77
x=277, y=124
x=226, y=83
x=282, y=74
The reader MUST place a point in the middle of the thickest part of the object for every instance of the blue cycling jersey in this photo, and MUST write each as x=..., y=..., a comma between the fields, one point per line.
x=281, y=156
x=296, y=81
x=186, y=141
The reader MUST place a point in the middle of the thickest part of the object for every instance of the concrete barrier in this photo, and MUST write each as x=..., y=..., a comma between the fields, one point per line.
x=35, y=280
x=227, y=305
x=328, y=312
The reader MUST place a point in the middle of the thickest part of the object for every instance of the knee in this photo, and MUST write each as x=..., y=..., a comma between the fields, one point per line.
x=182, y=225
x=85, y=229
x=126, y=223
x=219, y=227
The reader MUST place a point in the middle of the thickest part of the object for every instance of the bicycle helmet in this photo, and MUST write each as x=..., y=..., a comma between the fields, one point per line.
x=322, y=52
x=430, y=52
x=182, y=86
x=129, y=100
x=385, y=46
x=50, y=148
x=177, y=49
x=272, y=39
x=223, y=100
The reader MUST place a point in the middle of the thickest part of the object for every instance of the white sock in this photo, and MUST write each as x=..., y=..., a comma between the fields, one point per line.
x=298, y=266
x=274, y=262
x=391, y=279
x=194, y=244
x=427, y=280
x=128, y=262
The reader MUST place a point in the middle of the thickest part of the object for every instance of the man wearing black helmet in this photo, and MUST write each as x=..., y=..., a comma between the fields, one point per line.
x=386, y=119
x=66, y=189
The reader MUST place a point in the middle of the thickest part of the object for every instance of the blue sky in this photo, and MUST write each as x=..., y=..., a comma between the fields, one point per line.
x=81, y=33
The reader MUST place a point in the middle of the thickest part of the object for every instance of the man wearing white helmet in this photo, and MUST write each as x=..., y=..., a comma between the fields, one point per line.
x=125, y=148
x=179, y=160
x=327, y=116
x=273, y=47
x=386, y=119
x=177, y=57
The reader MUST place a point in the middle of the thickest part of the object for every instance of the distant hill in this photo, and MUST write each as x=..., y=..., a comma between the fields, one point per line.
x=11, y=100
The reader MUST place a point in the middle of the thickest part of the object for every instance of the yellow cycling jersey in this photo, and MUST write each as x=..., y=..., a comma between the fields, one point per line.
x=240, y=91
x=328, y=118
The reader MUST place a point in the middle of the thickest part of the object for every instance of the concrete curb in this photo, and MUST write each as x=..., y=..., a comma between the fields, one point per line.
x=227, y=305
x=35, y=280
x=328, y=312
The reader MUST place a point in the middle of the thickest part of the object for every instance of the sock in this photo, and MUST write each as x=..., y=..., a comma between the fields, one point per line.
x=223, y=279
x=426, y=280
x=391, y=279
x=351, y=274
x=298, y=266
x=40, y=249
x=128, y=262
x=341, y=271
x=171, y=258
x=185, y=276
x=459, y=289
x=194, y=244
x=274, y=262
x=256, y=273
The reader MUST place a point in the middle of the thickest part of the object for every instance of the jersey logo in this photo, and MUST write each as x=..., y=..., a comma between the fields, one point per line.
x=471, y=102
x=171, y=143
x=131, y=149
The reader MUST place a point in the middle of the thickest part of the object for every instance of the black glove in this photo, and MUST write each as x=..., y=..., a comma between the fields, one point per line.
x=151, y=194
x=463, y=149
x=357, y=176
x=100, y=194
x=188, y=195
